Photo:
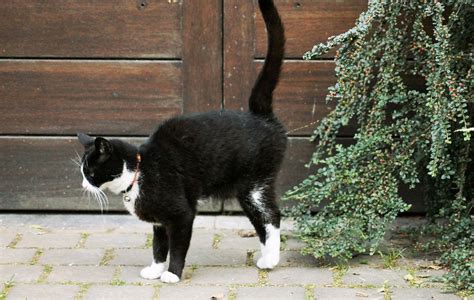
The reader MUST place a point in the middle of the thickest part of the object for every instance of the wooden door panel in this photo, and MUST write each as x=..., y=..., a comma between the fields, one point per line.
x=202, y=31
x=308, y=22
x=102, y=97
x=90, y=28
x=300, y=96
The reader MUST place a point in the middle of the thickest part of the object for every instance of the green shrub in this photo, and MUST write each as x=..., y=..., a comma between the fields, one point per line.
x=404, y=77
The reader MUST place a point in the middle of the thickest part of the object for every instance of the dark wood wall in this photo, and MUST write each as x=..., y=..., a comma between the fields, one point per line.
x=119, y=67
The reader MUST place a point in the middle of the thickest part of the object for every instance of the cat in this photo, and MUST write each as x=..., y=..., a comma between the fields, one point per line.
x=221, y=154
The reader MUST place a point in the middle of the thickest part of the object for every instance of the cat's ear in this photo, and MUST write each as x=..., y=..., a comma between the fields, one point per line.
x=103, y=146
x=85, y=139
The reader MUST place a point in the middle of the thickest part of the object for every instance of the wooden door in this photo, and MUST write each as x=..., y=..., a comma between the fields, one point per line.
x=300, y=96
x=109, y=67
x=119, y=67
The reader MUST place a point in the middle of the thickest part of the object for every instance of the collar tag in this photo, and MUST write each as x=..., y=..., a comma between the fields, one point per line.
x=126, y=198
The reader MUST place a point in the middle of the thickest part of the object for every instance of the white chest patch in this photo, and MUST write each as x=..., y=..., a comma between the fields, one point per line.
x=130, y=198
x=120, y=184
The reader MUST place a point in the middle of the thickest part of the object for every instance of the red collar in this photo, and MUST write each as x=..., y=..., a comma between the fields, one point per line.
x=135, y=176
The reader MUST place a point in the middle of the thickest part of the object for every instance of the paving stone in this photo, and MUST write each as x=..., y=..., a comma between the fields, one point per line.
x=233, y=222
x=43, y=291
x=216, y=257
x=371, y=276
x=293, y=243
x=219, y=275
x=421, y=294
x=202, y=238
x=173, y=292
x=119, y=292
x=317, y=276
x=347, y=293
x=19, y=273
x=49, y=240
x=232, y=240
x=72, y=256
x=83, y=274
x=205, y=222
x=132, y=257
x=136, y=226
x=6, y=238
x=270, y=292
x=116, y=240
x=64, y=221
x=12, y=256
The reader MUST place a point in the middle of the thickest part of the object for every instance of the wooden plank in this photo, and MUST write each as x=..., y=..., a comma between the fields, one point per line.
x=38, y=174
x=300, y=97
x=90, y=28
x=239, y=45
x=309, y=22
x=202, y=55
x=101, y=97
x=41, y=175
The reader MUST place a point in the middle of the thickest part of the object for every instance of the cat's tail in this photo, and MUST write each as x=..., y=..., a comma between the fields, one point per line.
x=260, y=101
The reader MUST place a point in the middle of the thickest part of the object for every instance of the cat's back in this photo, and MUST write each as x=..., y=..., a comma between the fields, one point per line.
x=219, y=137
x=235, y=128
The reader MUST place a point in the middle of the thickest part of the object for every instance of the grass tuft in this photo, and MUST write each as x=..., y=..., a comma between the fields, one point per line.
x=216, y=241
x=6, y=288
x=108, y=256
x=338, y=272
x=37, y=256
x=82, y=241
x=46, y=271
x=390, y=259
x=15, y=241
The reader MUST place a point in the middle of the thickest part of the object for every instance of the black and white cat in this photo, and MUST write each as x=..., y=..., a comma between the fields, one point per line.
x=220, y=154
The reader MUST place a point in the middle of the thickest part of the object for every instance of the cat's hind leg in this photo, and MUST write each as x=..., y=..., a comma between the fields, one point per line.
x=259, y=204
x=160, y=251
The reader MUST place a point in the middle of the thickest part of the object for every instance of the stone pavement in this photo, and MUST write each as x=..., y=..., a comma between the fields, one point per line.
x=100, y=256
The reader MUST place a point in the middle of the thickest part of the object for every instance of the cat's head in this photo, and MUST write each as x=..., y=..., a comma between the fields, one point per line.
x=106, y=164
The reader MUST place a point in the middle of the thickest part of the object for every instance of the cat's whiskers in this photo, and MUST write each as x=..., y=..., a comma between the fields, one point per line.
x=105, y=199
x=99, y=196
x=76, y=162
x=78, y=156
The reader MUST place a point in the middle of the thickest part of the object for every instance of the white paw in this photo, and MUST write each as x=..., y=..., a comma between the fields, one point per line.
x=168, y=277
x=267, y=262
x=271, y=248
x=153, y=272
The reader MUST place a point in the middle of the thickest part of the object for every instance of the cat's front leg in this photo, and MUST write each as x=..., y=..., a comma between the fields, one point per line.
x=160, y=251
x=180, y=237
